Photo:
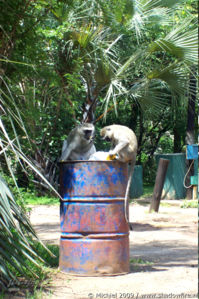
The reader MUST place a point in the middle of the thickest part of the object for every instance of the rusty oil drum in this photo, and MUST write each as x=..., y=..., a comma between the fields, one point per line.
x=94, y=233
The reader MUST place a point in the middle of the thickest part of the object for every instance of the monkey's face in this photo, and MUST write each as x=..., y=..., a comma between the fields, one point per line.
x=89, y=134
x=106, y=133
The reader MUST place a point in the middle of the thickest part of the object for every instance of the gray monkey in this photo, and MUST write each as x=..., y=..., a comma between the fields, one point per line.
x=79, y=144
x=124, y=146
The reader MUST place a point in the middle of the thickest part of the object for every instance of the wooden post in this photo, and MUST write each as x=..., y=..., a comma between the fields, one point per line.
x=159, y=183
x=195, y=191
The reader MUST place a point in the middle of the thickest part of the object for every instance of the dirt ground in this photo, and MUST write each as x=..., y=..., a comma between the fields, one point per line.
x=167, y=241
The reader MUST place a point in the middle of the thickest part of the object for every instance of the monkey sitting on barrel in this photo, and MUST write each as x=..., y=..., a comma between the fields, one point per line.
x=79, y=144
x=124, y=147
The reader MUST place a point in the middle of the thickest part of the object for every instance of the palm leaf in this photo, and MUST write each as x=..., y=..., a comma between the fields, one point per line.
x=126, y=66
x=16, y=231
x=181, y=44
x=170, y=3
x=104, y=73
x=7, y=144
x=115, y=90
x=174, y=76
x=150, y=95
x=15, y=248
x=148, y=12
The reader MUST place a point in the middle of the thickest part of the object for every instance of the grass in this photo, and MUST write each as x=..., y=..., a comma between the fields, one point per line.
x=189, y=204
x=44, y=200
x=32, y=199
x=165, y=204
x=140, y=262
x=37, y=294
x=148, y=190
x=46, y=256
x=51, y=260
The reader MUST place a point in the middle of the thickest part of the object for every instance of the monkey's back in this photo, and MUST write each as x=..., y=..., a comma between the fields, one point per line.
x=124, y=132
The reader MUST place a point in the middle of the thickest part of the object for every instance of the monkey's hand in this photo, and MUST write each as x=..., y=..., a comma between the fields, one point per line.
x=112, y=153
x=111, y=157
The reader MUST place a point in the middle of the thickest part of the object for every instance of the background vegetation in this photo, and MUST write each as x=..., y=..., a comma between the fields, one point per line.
x=131, y=62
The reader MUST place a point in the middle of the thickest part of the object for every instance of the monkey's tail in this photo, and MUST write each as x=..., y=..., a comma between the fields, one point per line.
x=126, y=201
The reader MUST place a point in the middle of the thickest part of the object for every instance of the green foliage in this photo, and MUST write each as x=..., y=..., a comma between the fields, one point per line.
x=149, y=171
x=148, y=190
x=40, y=282
x=165, y=145
x=15, y=242
x=140, y=261
x=50, y=261
x=20, y=254
x=32, y=199
x=189, y=204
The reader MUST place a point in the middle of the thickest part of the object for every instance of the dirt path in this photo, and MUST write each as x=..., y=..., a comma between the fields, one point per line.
x=166, y=241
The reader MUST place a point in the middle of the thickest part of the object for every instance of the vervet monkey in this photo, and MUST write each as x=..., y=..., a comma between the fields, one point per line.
x=124, y=146
x=79, y=144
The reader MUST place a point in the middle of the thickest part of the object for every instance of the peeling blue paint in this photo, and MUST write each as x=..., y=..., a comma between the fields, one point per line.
x=94, y=232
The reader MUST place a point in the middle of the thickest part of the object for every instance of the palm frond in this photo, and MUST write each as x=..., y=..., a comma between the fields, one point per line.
x=7, y=144
x=114, y=91
x=180, y=43
x=160, y=86
x=126, y=66
x=15, y=248
x=148, y=12
x=11, y=109
x=174, y=76
x=16, y=232
x=151, y=95
x=170, y=3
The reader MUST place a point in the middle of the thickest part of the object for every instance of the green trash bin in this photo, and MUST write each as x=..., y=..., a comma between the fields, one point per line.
x=136, y=188
x=173, y=185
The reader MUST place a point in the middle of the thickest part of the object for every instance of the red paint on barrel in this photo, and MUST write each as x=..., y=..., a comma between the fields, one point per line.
x=94, y=233
x=93, y=217
x=105, y=255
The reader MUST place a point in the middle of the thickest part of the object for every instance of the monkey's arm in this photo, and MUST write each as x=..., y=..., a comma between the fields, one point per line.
x=119, y=147
x=67, y=149
x=64, y=147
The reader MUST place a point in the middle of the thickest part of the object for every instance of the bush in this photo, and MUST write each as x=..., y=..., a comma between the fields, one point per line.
x=18, y=253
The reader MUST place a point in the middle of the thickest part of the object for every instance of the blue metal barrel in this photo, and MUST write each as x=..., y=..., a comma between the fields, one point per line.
x=94, y=233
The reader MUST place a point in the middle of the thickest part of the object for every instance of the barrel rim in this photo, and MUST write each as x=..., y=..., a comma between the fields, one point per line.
x=93, y=274
x=91, y=161
x=93, y=199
